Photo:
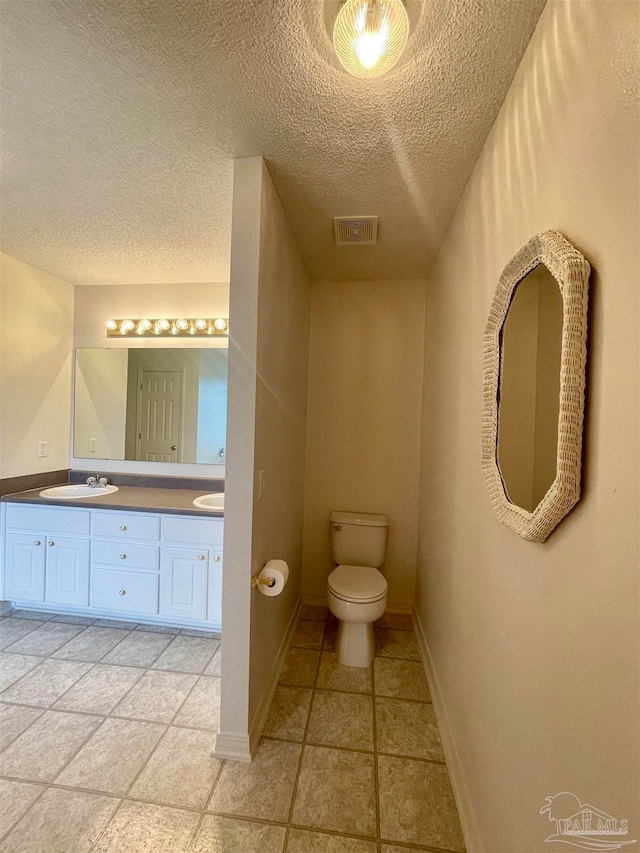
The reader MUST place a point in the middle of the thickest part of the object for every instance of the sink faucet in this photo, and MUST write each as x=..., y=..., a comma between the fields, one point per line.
x=94, y=482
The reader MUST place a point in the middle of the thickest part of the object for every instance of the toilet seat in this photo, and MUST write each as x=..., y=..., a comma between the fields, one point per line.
x=360, y=584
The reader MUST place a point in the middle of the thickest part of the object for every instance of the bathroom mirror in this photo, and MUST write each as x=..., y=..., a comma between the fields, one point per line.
x=534, y=357
x=155, y=405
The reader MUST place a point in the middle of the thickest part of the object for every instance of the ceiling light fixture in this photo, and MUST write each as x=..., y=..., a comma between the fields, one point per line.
x=370, y=35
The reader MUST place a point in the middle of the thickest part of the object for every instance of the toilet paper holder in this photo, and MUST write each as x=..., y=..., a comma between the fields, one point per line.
x=256, y=580
x=272, y=578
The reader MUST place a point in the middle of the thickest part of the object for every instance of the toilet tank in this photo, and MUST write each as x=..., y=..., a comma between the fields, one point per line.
x=358, y=539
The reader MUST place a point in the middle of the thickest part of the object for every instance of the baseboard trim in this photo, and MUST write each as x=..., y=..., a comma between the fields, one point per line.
x=260, y=717
x=460, y=790
x=232, y=745
x=240, y=746
x=321, y=601
x=5, y=607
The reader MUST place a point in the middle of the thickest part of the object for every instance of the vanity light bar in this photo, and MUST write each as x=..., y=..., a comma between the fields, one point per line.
x=197, y=327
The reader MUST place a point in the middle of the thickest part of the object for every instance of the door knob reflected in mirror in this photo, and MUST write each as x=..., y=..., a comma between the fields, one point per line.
x=174, y=446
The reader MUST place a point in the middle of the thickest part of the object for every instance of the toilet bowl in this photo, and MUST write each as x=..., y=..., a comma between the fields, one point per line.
x=357, y=596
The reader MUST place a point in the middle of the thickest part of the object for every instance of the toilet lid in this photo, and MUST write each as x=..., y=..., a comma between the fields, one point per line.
x=360, y=583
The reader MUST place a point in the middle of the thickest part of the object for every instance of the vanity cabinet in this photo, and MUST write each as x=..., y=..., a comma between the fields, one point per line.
x=47, y=555
x=157, y=568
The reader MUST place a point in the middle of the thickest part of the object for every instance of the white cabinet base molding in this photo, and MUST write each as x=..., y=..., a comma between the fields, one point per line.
x=164, y=569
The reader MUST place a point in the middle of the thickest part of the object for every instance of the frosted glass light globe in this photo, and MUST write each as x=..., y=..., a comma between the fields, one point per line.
x=370, y=35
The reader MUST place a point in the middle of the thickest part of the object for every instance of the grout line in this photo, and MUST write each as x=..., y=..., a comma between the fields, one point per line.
x=71, y=686
x=143, y=766
x=112, y=716
x=42, y=711
x=304, y=739
x=376, y=780
x=106, y=825
x=25, y=813
x=223, y=764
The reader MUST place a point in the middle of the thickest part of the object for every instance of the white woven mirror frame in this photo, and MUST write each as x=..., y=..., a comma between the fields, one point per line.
x=571, y=271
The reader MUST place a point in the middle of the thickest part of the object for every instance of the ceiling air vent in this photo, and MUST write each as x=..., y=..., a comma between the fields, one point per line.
x=355, y=230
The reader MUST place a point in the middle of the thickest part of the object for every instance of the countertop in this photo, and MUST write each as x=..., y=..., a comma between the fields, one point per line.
x=136, y=498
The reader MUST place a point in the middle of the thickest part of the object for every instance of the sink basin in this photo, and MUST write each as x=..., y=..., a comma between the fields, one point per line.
x=213, y=502
x=81, y=490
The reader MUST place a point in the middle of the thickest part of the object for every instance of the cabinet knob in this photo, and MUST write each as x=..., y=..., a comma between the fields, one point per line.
x=123, y=527
x=217, y=559
x=37, y=542
x=122, y=592
x=123, y=556
x=51, y=542
x=201, y=557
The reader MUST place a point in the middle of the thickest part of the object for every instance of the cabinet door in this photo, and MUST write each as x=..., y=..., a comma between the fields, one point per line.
x=214, y=613
x=67, y=571
x=183, y=582
x=24, y=577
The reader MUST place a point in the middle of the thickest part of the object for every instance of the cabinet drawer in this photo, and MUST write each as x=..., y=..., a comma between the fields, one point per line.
x=125, y=555
x=49, y=518
x=120, y=526
x=130, y=592
x=193, y=531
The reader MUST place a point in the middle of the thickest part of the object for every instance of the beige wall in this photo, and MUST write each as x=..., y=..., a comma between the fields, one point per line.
x=281, y=418
x=36, y=342
x=94, y=305
x=534, y=648
x=268, y=360
x=363, y=429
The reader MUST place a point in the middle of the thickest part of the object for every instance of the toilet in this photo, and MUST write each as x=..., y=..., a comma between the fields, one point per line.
x=356, y=589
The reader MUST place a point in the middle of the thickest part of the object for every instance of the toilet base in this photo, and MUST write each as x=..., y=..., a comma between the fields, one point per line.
x=355, y=643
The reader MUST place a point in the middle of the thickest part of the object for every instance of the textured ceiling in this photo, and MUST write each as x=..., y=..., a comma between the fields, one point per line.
x=121, y=119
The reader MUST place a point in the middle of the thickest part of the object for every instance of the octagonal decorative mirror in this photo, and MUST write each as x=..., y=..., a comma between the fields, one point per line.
x=534, y=382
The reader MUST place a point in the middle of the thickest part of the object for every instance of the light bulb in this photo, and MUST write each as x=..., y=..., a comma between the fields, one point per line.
x=164, y=325
x=126, y=326
x=370, y=35
x=111, y=325
x=220, y=324
x=201, y=325
x=144, y=326
x=182, y=324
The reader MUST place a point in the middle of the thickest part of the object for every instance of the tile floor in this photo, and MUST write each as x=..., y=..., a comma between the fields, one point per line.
x=106, y=730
